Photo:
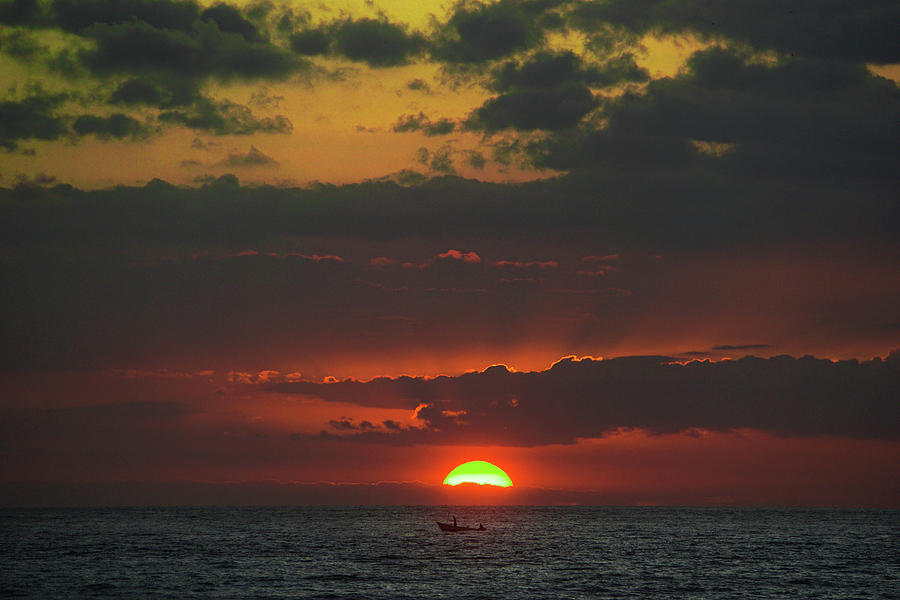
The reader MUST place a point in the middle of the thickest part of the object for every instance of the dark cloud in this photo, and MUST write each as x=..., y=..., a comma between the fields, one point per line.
x=377, y=42
x=138, y=91
x=549, y=90
x=345, y=424
x=442, y=161
x=811, y=112
x=230, y=20
x=404, y=177
x=439, y=127
x=167, y=40
x=726, y=113
x=225, y=118
x=261, y=98
x=163, y=93
x=421, y=122
x=830, y=29
x=552, y=70
x=418, y=85
x=475, y=159
x=551, y=109
x=204, y=51
x=79, y=15
x=116, y=126
x=31, y=118
x=408, y=123
x=342, y=424
x=586, y=398
x=158, y=53
x=310, y=42
x=621, y=69
x=251, y=158
x=183, y=105
x=479, y=32
x=39, y=180
x=544, y=70
x=287, y=20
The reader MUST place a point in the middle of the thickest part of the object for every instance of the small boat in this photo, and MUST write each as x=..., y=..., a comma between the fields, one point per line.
x=452, y=527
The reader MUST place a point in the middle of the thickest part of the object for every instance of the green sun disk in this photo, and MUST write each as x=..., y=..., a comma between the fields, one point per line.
x=478, y=471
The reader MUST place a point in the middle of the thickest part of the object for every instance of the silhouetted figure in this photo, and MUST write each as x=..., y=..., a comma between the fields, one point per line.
x=454, y=521
x=480, y=527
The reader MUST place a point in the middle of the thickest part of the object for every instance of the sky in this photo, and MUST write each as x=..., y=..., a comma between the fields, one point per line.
x=292, y=252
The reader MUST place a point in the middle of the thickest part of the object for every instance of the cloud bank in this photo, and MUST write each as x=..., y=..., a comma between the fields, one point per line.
x=588, y=399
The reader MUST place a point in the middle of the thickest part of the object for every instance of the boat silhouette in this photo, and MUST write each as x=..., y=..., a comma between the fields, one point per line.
x=453, y=527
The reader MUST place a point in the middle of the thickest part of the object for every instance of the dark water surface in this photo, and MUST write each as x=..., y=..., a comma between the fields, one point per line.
x=398, y=552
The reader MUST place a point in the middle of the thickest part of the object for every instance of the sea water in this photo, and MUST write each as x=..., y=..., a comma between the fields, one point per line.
x=399, y=552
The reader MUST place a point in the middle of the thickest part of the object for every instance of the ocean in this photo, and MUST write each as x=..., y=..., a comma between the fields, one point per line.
x=398, y=552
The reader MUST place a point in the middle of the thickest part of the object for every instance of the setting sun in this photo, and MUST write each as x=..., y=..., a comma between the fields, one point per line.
x=480, y=472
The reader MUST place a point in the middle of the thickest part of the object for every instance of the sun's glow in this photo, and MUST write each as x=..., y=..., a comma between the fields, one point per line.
x=478, y=471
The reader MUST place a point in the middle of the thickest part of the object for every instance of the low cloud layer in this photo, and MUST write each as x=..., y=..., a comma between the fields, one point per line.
x=263, y=277
x=675, y=211
x=587, y=399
